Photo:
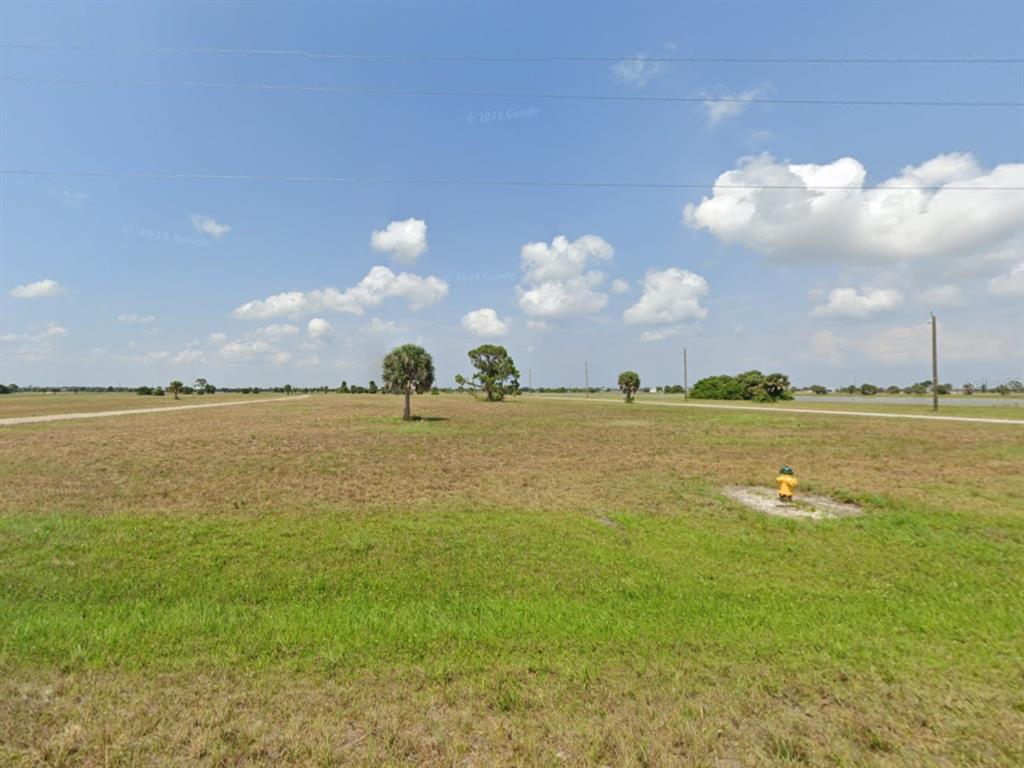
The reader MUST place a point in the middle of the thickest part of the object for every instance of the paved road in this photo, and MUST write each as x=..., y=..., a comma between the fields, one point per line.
x=785, y=410
x=10, y=422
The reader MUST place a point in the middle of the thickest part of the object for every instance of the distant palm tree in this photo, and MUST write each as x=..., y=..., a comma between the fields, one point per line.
x=629, y=383
x=175, y=388
x=407, y=369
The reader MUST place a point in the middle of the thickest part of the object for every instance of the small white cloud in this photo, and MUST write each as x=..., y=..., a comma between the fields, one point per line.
x=209, y=226
x=669, y=296
x=190, y=355
x=484, y=322
x=219, y=337
x=848, y=302
x=728, y=105
x=619, y=286
x=537, y=325
x=41, y=289
x=376, y=325
x=307, y=361
x=404, y=240
x=660, y=334
x=319, y=329
x=276, y=331
x=52, y=331
x=133, y=319
x=245, y=350
x=637, y=69
x=379, y=284
x=827, y=347
x=36, y=346
x=1010, y=284
x=280, y=358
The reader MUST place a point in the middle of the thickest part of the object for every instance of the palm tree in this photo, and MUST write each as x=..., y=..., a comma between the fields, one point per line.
x=629, y=383
x=175, y=388
x=407, y=369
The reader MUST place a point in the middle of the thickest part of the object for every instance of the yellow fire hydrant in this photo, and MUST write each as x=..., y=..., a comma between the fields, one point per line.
x=787, y=482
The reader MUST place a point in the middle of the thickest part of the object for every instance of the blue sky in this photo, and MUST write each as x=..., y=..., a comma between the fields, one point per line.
x=121, y=280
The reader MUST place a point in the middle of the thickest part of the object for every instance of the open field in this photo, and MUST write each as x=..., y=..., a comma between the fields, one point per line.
x=535, y=582
x=45, y=404
x=1009, y=407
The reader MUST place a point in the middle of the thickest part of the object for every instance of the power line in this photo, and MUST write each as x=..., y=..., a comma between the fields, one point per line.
x=347, y=91
x=424, y=59
x=167, y=176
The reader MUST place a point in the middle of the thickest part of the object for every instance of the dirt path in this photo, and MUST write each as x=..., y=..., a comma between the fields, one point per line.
x=10, y=422
x=807, y=505
x=819, y=411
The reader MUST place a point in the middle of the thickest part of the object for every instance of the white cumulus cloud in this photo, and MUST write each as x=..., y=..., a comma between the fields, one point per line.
x=619, y=286
x=379, y=284
x=404, y=240
x=209, y=226
x=849, y=302
x=670, y=295
x=556, y=279
x=484, y=322
x=41, y=289
x=854, y=223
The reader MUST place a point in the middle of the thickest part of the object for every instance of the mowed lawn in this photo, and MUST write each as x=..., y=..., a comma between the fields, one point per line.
x=535, y=582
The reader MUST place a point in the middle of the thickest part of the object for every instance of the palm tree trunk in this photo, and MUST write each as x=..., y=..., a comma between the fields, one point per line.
x=407, y=414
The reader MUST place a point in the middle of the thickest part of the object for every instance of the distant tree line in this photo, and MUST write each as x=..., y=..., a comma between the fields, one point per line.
x=920, y=388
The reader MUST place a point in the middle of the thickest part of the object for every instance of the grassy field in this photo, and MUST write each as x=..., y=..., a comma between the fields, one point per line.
x=1010, y=407
x=45, y=403
x=535, y=582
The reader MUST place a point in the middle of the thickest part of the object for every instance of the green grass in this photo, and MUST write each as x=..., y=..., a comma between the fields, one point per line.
x=473, y=589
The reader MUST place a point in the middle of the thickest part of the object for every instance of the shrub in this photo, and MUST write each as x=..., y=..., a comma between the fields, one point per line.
x=750, y=385
x=718, y=388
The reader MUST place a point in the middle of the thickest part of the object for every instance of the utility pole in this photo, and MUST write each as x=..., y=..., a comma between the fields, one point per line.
x=529, y=373
x=586, y=378
x=686, y=383
x=935, y=368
